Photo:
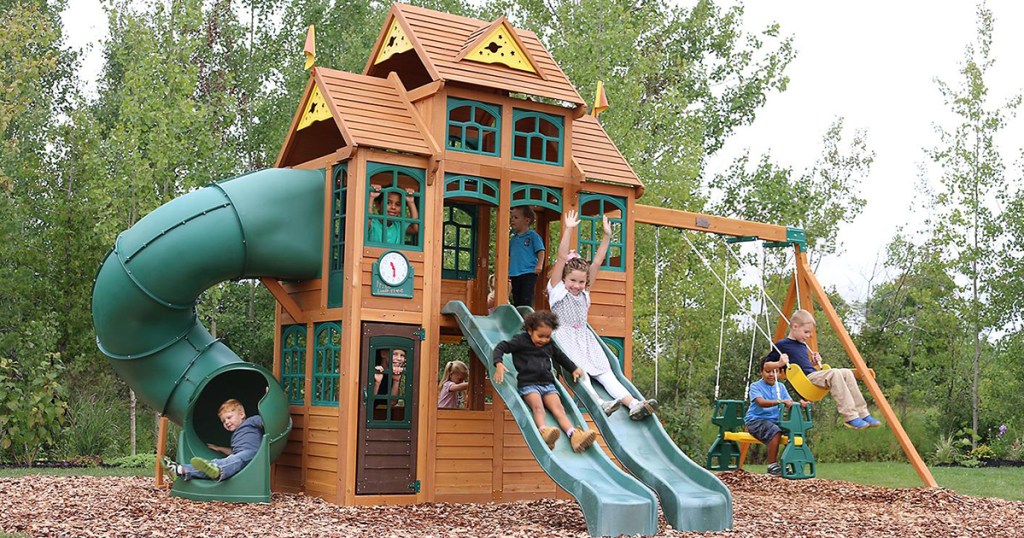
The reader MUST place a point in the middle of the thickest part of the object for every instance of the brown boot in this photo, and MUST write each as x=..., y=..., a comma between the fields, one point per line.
x=550, y=435
x=582, y=439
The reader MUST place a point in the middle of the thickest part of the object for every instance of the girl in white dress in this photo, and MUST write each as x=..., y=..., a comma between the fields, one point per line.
x=569, y=297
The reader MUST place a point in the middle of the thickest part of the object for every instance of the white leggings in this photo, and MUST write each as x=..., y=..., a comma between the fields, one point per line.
x=609, y=382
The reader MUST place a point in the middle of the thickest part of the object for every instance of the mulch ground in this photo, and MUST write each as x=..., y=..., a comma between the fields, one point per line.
x=763, y=507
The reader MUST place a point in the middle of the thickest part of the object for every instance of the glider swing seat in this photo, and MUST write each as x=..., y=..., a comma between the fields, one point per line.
x=729, y=450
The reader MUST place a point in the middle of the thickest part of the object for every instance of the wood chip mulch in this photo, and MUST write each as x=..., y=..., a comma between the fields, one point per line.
x=763, y=507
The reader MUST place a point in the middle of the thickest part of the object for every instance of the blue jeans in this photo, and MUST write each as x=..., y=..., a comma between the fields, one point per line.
x=228, y=466
x=543, y=390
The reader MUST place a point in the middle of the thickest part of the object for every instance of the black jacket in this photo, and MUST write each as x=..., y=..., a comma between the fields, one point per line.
x=533, y=363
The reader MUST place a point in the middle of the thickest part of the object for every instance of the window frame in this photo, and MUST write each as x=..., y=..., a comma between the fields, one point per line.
x=293, y=380
x=558, y=122
x=494, y=110
x=320, y=374
x=595, y=227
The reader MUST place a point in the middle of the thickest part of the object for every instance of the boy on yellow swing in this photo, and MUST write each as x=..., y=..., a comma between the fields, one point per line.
x=839, y=381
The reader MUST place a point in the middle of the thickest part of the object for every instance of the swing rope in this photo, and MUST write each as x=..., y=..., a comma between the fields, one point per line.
x=721, y=329
x=753, y=334
x=657, y=316
x=707, y=264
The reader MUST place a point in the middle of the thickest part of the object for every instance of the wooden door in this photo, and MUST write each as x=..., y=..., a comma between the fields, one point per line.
x=386, y=457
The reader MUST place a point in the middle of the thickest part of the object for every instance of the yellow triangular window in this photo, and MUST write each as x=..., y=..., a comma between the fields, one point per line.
x=396, y=42
x=316, y=110
x=499, y=47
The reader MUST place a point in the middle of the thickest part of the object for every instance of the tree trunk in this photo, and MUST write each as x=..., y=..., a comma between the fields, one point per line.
x=131, y=414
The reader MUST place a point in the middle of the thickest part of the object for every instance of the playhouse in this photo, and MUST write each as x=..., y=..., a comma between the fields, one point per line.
x=456, y=112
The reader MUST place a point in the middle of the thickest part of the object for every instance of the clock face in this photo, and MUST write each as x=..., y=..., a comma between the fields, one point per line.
x=393, y=268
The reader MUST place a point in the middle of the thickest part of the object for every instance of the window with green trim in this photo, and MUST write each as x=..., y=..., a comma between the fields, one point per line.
x=293, y=363
x=592, y=208
x=394, y=213
x=326, y=363
x=474, y=127
x=389, y=383
x=458, y=248
x=536, y=196
x=618, y=346
x=339, y=198
x=476, y=188
x=537, y=137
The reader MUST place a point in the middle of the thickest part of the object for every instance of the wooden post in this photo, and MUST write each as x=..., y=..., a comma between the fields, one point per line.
x=890, y=416
x=161, y=450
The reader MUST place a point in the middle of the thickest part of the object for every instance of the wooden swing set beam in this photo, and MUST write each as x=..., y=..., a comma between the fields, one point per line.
x=806, y=286
x=687, y=220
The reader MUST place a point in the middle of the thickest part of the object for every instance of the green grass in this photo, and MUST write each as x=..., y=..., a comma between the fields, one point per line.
x=1000, y=482
x=77, y=471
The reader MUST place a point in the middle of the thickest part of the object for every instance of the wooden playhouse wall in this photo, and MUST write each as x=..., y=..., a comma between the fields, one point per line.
x=464, y=455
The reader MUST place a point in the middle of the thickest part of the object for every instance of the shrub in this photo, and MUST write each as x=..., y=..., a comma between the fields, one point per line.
x=32, y=406
x=93, y=431
x=981, y=453
x=946, y=451
x=1016, y=450
x=138, y=461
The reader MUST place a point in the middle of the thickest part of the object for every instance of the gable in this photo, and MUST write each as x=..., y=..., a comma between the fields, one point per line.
x=500, y=46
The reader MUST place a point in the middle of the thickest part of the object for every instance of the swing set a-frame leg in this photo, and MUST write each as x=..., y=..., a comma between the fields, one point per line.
x=814, y=289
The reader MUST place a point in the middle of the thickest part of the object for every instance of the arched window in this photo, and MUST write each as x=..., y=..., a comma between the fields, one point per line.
x=326, y=363
x=293, y=363
x=537, y=137
x=394, y=213
x=592, y=208
x=474, y=127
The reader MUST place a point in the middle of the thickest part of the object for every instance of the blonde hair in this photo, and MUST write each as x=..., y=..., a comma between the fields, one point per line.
x=801, y=317
x=450, y=368
x=231, y=405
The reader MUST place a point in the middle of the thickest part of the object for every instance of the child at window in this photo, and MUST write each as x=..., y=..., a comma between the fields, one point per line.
x=453, y=385
x=525, y=256
x=384, y=230
x=532, y=353
x=569, y=295
x=397, y=367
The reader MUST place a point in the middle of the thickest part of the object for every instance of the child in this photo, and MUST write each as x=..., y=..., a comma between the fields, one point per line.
x=532, y=352
x=840, y=381
x=569, y=295
x=246, y=436
x=453, y=383
x=525, y=256
x=762, y=419
x=397, y=368
x=392, y=232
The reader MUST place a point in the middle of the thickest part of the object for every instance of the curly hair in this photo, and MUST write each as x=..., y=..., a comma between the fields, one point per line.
x=576, y=264
x=540, y=318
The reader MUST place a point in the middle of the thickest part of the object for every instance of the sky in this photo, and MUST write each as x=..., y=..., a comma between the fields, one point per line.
x=872, y=62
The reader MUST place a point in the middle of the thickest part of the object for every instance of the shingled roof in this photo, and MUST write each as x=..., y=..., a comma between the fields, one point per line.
x=440, y=40
x=373, y=112
x=596, y=156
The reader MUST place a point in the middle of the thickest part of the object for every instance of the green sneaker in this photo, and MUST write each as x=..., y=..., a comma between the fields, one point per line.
x=207, y=467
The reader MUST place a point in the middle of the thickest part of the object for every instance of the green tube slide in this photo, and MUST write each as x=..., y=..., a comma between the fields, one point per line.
x=613, y=502
x=267, y=223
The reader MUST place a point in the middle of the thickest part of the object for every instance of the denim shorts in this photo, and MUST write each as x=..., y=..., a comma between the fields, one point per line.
x=763, y=429
x=543, y=390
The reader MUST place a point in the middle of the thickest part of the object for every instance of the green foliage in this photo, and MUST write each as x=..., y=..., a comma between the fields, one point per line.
x=946, y=451
x=92, y=430
x=32, y=398
x=682, y=422
x=138, y=461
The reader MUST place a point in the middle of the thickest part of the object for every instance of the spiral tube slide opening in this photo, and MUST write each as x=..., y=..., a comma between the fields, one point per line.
x=267, y=223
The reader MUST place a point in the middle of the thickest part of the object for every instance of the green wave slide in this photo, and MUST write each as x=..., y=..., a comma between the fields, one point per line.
x=691, y=497
x=268, y=223
x=613, y=502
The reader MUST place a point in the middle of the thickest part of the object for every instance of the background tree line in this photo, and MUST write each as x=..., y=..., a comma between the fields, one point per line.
x=193, y=91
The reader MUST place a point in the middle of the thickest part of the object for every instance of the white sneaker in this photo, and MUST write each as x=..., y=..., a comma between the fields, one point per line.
x=610, y=407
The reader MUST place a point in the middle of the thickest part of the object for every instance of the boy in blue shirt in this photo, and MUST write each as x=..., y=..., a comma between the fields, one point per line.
x=525, y=255
x=841, y=383
x=762, y=418
x=246, y=436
